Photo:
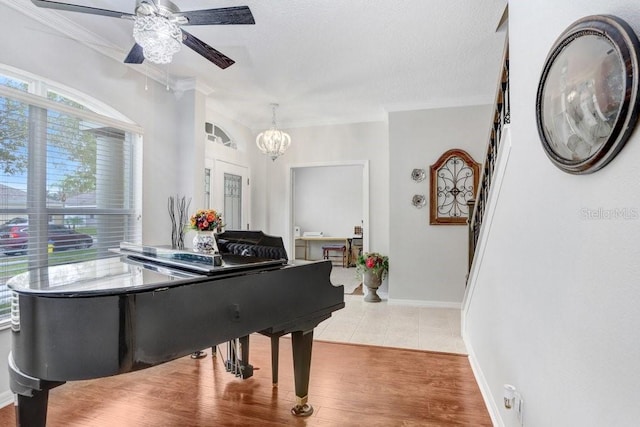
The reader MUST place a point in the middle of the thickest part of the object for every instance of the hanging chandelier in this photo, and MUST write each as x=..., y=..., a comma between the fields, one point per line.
x=273, y=142
x=159, y=37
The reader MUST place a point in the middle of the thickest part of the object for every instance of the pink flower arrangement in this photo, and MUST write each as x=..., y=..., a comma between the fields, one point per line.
x=373, y=261
x=206, y=220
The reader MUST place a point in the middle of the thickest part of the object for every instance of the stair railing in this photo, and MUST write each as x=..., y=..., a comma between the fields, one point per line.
x=501, y=117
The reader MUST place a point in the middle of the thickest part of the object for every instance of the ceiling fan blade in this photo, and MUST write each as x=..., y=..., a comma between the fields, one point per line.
x=82, y=9
x=135, y=56
x=207, y=51
x=220, y=16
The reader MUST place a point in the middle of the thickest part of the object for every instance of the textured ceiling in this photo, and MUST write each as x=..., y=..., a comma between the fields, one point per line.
x=323, y=61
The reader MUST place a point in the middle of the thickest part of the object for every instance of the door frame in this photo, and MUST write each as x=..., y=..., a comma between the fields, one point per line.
x=220, y=167
x=290, y=241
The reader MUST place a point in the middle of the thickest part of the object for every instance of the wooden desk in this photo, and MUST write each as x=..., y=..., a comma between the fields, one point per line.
x=307, y=239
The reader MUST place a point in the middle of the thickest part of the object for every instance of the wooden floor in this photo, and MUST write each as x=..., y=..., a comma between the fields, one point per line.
x=351, y=385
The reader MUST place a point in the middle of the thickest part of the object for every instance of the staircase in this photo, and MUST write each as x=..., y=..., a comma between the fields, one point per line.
x=501, y=117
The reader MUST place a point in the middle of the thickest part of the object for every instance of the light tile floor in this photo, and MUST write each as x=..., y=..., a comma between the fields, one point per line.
x=393, y=325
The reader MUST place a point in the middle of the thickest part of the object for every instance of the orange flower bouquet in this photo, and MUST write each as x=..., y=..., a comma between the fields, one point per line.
x=206, y=220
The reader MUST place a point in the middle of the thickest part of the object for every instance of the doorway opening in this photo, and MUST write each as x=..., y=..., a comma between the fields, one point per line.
x=328, y=198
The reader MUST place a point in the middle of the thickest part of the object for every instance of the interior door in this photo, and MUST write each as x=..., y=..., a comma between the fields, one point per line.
x=231, y=194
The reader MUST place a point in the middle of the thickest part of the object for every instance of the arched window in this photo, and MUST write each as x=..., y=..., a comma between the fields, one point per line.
x=218, y=135
x=68, y=177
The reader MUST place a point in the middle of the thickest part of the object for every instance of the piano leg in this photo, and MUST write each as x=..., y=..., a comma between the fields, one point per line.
x=32, y=411
x=32, y=396
x=275, y=354
x=246, y=370
x=302, y=343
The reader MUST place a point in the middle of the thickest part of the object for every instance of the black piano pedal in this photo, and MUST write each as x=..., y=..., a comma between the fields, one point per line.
x=241, y=371
x=246, y=371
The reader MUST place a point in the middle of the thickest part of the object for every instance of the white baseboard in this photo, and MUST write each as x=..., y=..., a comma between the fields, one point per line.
x=6, y=398
x=416, y=303
x=489, y=401
x=420, y=303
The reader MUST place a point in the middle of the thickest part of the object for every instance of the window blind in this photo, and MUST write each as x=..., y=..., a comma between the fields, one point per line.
x=69, y=183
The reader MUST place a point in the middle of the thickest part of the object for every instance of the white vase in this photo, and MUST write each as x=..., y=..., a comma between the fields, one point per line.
x=204, y=242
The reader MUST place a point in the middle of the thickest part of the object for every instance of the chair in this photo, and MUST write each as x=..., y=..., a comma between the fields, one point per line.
x=327, y=251
x=356, y=245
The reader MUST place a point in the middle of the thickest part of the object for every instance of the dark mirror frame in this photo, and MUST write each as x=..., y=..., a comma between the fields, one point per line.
x=626, y=47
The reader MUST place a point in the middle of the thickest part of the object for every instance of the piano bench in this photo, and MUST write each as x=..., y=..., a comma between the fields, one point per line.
x=341, y=249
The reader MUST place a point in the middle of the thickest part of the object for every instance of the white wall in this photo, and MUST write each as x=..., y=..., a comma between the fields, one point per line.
x=428, y=263
x=6, y=396
x=554, y=309
x=190, y=138
x=328, y=199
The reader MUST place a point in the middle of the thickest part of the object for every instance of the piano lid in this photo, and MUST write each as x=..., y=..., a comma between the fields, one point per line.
x=90, y=277
x=135, y=270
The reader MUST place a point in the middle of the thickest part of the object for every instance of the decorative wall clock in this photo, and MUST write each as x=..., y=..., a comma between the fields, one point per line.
x=587, y=100
x=454, y=179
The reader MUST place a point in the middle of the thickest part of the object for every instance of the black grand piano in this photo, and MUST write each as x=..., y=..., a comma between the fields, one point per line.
x=146, y=306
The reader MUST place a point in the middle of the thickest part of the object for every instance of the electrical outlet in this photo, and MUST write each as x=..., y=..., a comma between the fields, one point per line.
x=520, y=410
x=513, y=400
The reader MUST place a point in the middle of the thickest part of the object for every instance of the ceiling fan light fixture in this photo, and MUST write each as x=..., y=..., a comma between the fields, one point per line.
x=157, y=28
x=273, y=142
x=159, y=38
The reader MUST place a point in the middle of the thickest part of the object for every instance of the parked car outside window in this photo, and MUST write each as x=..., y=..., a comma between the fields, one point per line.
x=14, y=238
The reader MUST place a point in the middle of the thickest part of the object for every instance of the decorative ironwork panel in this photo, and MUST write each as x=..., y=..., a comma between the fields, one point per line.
x=232, y=202
x=207, y=188
x=454, y=180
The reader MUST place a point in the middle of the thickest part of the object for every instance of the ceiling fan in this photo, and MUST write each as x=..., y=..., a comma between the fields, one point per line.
x=157, y=28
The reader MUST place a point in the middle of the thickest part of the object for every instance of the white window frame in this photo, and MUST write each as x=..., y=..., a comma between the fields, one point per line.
x=95, y=111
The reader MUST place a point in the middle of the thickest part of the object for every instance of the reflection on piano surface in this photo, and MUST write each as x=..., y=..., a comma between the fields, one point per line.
x=111, y=316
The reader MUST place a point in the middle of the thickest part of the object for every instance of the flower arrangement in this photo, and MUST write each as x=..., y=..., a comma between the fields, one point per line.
x=205, y=220
x=377, y=263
